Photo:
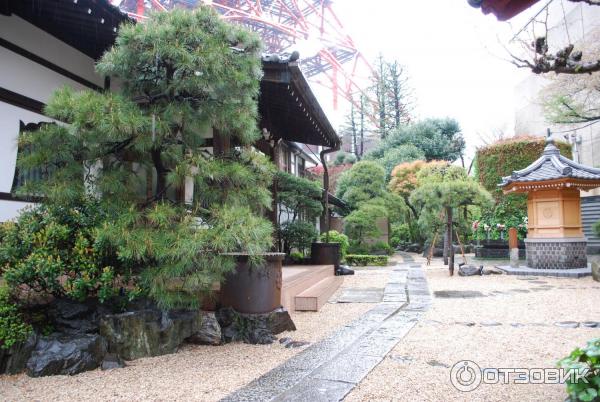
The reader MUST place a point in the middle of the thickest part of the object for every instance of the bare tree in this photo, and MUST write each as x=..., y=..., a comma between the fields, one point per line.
x=566, y=60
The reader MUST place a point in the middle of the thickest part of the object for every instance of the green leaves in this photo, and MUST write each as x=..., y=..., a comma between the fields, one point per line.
x=12, y=327
x=580, y=359
x=299, y=195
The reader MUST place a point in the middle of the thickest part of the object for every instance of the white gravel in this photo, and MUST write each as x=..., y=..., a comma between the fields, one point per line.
x=419, y=367
x=195, y=373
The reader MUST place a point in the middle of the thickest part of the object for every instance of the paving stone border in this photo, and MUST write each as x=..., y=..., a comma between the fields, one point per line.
x=330, y=369
x=563, y=273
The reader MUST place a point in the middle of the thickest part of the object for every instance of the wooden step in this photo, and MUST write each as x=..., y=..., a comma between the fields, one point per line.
x=313, y=298
x=297, y=279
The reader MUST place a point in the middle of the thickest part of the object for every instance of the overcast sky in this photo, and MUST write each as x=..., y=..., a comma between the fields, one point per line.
x=452, y=53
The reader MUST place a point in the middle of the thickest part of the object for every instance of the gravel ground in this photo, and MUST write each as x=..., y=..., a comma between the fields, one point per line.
x=419, y=367
x=198, y=373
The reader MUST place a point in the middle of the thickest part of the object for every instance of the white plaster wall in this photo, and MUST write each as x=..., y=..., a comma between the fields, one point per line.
x=11, y=209
x=9, y=133
x=46, y=46
x=25, y=77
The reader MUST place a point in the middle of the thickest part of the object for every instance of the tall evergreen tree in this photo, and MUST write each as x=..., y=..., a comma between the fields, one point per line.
x=393, y=97
x=181, y=73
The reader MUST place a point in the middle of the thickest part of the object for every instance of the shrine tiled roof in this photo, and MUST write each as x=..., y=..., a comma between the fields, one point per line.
x=551, y=166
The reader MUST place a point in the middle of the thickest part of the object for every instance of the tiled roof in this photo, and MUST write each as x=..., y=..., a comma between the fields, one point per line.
x=551, y=166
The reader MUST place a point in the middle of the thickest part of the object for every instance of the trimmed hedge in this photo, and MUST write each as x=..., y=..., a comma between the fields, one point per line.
x=502, y=158
x=363, y=260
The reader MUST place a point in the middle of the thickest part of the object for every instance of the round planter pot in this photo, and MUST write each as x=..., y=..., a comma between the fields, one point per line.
x=325, y=254
x=253, y=289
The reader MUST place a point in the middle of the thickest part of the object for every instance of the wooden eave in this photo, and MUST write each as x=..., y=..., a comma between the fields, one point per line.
x=525, y=187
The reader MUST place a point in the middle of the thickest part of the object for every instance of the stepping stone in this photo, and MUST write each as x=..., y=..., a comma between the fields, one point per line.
x=466, y=323
x=567, y=324
x=517, y=325
x=296, y=344
x=361, y=295
x=458, y=294
x=520, y=290
x=401, y=359
x=590, y=324
x=538, y=282
x=435, y=363
x=490, y=323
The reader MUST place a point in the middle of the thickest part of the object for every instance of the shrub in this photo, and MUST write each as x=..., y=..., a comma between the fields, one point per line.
x=337, y=237
x=501, y=159
x=381, y=247
x=358, y=248
x=363, y=260
x=299, y=235
x=362, y=223
x=580, y=359
x=54, y=250
x=365, y=181
x=12, y=327
x=401, y=233
x=296, y=256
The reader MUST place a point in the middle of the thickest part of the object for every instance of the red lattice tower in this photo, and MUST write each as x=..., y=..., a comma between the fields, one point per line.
x=329, y=56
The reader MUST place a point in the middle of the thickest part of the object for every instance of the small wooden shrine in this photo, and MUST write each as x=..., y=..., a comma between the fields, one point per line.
x=555, y=238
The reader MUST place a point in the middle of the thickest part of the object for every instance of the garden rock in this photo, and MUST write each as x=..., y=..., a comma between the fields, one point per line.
x=153, y=332
x=66, y=354
x=112, y=361
x=14, y=359
x=254, y=328
x=491, y=271
x=437, y=252
x=469, y=270
x=414, y=248
x=596, y=271
x=207, y=330
x=73, y=317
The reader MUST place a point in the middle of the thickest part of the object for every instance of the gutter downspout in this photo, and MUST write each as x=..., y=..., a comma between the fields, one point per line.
x=326, y=216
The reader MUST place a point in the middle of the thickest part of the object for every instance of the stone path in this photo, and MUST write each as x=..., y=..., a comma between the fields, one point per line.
x=331, y=368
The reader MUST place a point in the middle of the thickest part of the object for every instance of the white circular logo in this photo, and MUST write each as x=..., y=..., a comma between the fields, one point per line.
x=465, y=375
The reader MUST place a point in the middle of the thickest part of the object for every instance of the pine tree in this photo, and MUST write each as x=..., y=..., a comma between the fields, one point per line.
x=181, y=74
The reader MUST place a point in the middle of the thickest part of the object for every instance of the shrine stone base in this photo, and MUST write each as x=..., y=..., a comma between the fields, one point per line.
x=561, y=253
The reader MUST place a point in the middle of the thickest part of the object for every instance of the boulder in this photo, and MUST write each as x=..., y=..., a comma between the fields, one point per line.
x=469, y=270
x=207, y=330
x=254, y=328
x=491, y=271
x=14, y=359
x=153, y=332
x=596, y=271
x=112, y=361
x=414, y=248
x=66, y=354
x=72, y=317
x=437, y=251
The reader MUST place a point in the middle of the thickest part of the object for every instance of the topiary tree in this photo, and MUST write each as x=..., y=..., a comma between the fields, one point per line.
x=365, y=181
x=362, y=223
x=438, y=139
x=298, y=196
x=395, y=156
x=441, y=190
x=298, y=235
x=181, y=74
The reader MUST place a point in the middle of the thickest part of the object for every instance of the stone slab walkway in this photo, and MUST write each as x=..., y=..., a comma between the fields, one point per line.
x=564, y=273
x=331, y=368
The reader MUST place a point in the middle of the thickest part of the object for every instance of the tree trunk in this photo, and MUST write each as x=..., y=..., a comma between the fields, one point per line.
x=445, y=252
x=449, y=235
x=161, y=174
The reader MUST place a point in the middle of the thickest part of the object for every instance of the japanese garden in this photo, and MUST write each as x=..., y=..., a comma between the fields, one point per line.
x=273, y=200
